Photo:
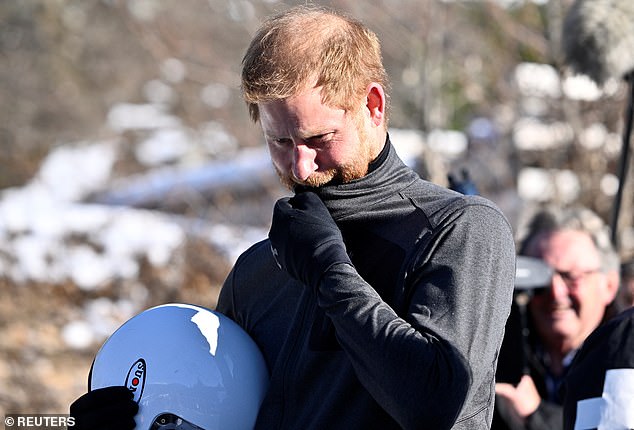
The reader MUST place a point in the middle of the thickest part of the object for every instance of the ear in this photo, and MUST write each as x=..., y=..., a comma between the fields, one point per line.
x=612, y=285
x=375, y=103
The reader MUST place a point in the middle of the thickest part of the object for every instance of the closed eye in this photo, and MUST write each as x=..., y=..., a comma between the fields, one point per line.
x=317, y=141
x=283, y=141
x=320, y=139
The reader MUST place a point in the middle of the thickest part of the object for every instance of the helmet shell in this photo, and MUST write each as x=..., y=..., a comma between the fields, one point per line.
x=188, y=361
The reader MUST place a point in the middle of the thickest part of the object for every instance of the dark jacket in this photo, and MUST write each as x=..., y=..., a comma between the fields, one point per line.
x=409, y=337
x=599, y=387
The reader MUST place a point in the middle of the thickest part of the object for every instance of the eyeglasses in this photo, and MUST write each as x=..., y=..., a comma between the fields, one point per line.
x=572, y=279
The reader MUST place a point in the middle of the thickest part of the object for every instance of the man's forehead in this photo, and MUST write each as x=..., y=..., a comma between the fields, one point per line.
x=305, y=116
x=570, y=247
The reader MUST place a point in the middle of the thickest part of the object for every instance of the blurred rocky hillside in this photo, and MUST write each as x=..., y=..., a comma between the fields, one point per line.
x=130, y=174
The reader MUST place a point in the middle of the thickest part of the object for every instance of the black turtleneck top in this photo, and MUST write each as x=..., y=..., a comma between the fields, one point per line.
x=409, y=336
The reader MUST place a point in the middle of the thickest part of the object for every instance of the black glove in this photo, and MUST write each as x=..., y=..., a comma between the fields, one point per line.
x=105, y=409
x=305, y=240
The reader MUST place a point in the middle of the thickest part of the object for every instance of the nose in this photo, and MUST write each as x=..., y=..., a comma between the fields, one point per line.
x=303, y=162
x=558, y=288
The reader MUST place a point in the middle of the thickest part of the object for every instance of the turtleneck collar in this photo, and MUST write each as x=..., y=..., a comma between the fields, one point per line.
x=387, y=175
x=380, y=159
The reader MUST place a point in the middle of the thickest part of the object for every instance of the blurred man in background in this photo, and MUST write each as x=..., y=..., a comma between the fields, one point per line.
x=575, y=243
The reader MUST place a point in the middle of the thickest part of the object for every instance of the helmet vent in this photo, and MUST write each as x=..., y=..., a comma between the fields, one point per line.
x=169, y=421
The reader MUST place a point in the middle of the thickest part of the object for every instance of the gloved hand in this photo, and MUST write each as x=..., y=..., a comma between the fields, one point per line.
x=305, y=240
x=105, y=409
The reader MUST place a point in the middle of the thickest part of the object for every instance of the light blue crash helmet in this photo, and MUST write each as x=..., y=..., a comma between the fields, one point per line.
x=188, y=367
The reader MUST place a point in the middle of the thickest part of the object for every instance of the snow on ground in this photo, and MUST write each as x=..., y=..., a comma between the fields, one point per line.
x=48, y=235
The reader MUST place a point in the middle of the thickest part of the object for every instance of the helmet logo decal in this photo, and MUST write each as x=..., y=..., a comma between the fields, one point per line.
x=135, y=381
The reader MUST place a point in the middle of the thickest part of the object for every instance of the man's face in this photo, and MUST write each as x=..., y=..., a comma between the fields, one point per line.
x=313, y=144
x=566, y=313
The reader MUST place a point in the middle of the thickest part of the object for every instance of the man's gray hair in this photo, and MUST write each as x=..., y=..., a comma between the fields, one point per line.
x=553, y=218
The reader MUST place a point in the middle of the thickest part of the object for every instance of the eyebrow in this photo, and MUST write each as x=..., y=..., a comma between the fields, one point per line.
x=304, y=135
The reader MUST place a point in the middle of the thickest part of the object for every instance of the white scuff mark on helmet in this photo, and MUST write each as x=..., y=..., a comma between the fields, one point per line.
x=207, y=322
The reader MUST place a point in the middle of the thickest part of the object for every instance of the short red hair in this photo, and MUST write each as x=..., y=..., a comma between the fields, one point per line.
x=304, y=45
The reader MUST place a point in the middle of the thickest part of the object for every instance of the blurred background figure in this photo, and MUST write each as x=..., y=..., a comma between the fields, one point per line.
x=575, y=243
